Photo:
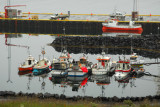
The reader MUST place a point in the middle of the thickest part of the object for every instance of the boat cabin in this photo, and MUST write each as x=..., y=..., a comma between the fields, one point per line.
x=64, y=56
x=112, y=23
x=29, y=61
x=83, y=61
x=123, y=66
x=60, y=66
x=103, y=61
x=134, y=57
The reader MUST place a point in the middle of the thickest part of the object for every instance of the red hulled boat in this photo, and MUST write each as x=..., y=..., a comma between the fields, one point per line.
x=113, y=26
x=28, y=64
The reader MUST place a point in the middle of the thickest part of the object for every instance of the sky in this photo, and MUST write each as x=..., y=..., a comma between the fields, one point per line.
x=84, y=6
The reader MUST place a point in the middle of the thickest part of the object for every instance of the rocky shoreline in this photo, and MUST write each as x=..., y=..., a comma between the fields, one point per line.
x=11, y=94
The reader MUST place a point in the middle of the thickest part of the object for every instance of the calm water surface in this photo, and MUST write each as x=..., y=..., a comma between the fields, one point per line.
x=143, y=86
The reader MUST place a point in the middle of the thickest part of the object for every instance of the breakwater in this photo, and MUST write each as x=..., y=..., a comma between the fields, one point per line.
x=147, y=46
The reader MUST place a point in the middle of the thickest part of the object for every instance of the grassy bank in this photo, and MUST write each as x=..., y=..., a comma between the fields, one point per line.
x=34, y=102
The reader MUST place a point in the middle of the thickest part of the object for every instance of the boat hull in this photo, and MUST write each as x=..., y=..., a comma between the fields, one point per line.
x=99, y=71
x=37, y=71
x=76, y=74
x=122, y=76
x=59, y=73
x=26, y=72
x=122, y=29
x=25, y=69
x=123, y=70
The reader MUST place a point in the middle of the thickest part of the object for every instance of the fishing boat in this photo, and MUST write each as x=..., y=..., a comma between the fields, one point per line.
x=80, y=68
x=103, y=66
x=60, y=65
x=123, y=69
x=113, y=26
x=135, y=60
x=137, y=65
x=43, y=66
x=28, y=64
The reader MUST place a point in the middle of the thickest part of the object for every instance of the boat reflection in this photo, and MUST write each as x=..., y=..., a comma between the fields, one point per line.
x=28, y=74
x=121, y=34
x=102, y=81
x=77, y=82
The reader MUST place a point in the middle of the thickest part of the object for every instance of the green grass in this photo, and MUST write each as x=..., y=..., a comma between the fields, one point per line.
x=35, y=102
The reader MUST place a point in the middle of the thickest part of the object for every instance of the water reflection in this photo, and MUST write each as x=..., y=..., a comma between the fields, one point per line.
x=147, y=46
x=9, y=44
x=102, y=83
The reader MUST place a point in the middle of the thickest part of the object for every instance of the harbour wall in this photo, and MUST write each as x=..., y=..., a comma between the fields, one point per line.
x=74, y=27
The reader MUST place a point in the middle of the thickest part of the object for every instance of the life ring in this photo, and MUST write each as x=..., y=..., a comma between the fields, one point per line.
x=141, y=69
x=43, y=52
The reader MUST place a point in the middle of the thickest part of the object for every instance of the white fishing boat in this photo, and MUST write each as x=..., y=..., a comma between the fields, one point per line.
x=123, y=69
x=103, y=66
x=135, y=60
x=28, y=64
x=60, y=65
x=137, y=65
x=80, y=68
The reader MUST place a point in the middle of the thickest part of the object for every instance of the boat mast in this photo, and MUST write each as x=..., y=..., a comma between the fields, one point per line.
x=135, y=5
x=43, y=52
x=8, y=3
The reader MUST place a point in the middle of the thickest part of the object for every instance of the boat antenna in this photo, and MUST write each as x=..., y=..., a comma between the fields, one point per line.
x=28, y=50
x=43, y=52
x=124, y=57
x=135, y=5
